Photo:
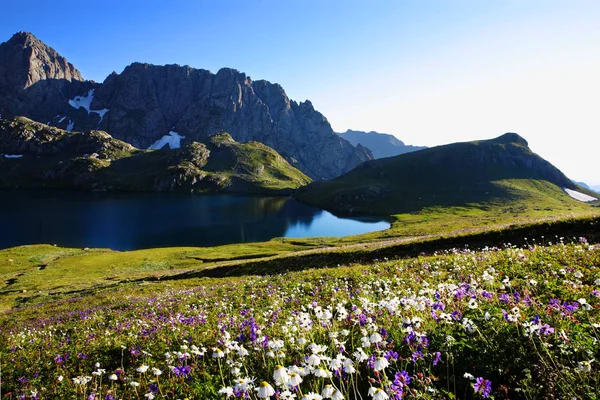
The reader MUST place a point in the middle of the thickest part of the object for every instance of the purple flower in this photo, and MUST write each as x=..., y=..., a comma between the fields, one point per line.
x=391, y=355
x=483, y=386
x=456, y=315
x=182, y=370
x=438, y=357
x=402, y=378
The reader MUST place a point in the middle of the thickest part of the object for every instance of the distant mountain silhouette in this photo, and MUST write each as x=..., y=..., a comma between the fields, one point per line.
x=381, y=144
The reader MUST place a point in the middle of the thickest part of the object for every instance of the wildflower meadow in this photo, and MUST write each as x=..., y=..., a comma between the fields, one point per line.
x=497, y=323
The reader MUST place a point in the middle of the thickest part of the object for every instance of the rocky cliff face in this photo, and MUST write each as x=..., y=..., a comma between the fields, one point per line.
x=146, y=102
x=35, y=80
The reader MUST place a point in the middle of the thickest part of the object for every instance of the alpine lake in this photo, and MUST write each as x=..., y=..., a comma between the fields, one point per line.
x=131, y=221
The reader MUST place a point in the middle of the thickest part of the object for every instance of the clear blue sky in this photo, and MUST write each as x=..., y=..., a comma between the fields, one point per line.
x=429, y=72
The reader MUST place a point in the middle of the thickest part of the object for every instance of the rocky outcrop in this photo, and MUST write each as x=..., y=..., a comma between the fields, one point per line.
x=36, y=155
x=146, y=102
x=380, y=144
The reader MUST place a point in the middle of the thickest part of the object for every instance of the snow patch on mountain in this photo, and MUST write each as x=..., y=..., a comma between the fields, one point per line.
x=579, y=196
x=85, y=102
x=173, y=139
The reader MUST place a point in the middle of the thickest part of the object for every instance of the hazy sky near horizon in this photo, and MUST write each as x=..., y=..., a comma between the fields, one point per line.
x=429, y=72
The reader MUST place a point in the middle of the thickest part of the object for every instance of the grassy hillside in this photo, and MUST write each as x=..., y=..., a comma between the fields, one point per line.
x=502, y=173
x=95, y=161
x=508, y=322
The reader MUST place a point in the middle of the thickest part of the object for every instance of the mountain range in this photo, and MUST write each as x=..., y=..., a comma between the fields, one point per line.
x=381, y=144
x=145, y=103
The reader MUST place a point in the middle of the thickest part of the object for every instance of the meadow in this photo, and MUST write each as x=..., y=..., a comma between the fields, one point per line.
x=507, y=322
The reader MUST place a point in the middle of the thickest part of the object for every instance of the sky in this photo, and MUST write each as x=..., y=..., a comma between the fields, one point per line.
x=429, y=72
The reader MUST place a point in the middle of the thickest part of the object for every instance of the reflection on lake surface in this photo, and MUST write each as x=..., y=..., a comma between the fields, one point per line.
x=136, y=221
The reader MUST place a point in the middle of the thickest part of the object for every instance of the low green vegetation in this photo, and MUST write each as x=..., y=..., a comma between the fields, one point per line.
x=509, y=322
x=499, y=174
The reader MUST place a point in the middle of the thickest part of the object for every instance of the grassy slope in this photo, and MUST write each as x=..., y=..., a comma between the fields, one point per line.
x=499, y=173
x=43, y=273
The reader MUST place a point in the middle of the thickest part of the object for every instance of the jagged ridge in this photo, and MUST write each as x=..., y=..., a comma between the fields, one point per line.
x=146, y=102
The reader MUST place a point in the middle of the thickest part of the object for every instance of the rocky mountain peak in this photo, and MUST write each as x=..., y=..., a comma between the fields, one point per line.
x=26, y=60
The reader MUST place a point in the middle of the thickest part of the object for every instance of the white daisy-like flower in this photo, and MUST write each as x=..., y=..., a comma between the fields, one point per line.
x=380, y=363
x=378, y=393
x=265, y=390
x=227, y=391
x=280, y=375
x=142, y=369
x=327, y=391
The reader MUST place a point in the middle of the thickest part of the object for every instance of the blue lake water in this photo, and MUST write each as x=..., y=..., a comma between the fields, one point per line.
x=137, y=221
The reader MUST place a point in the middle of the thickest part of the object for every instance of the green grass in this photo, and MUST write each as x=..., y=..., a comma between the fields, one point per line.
x=525, y=318
x=491, y=174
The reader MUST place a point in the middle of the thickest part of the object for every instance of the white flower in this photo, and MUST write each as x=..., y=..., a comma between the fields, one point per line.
x=218, y=353
x=280, y=375
x=584, y=304
x=472, y=304
x=313, y=360
x=327, y=391
x=286, y=395
x=244, y=384
x=377, y=393
x=142, y=368
x=227, y=391
x=375, y=338
x=469, y=376
x=295, y=379
x=265, y=390
x=134, y=384
x=156, y=371
x=349, y=366
x=585, y=366
x=380, y=363
x=113, y=377
x=60, y=378
x=321, y=373
x=312, y=396
x=149, y=395
x=337, y=396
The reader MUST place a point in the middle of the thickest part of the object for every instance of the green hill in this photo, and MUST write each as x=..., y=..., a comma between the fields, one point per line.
x=498, y=172
x=36, y=155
